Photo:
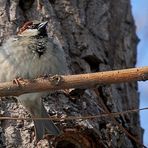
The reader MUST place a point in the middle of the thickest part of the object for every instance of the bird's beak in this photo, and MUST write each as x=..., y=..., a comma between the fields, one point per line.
x=42, y=26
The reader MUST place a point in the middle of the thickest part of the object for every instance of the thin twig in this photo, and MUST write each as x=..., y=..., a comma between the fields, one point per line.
x=112, y=116
x=86, y=118
x=76, y=118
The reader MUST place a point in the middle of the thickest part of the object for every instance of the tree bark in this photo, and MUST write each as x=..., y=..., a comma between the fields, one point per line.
x=96, y=35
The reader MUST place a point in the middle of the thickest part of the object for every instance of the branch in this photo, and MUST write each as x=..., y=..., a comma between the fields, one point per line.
x=58, y=82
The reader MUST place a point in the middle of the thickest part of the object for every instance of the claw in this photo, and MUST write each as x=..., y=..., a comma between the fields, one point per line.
x=17, y=81
x=56, y=79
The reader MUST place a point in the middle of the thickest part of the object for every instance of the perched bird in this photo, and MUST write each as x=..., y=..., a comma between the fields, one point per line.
x=28, y=55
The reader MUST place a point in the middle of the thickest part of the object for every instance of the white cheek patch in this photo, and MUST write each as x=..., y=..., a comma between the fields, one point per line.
x=29, y=32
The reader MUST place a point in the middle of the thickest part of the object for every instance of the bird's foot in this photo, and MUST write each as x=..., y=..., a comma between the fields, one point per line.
x=56, y=79
x=17, y=81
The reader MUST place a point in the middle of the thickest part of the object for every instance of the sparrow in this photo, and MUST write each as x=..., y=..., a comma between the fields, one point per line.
x=29, y=54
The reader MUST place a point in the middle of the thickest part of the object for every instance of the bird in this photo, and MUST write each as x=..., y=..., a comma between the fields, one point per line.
x=29, y=54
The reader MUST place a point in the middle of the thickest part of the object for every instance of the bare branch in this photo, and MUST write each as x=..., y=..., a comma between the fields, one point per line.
x=73, y=81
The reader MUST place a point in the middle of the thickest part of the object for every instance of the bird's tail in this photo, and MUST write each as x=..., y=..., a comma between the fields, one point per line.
x=43, y=127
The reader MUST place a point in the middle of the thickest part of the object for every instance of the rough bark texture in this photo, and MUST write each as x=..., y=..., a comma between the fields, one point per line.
x=96, y=35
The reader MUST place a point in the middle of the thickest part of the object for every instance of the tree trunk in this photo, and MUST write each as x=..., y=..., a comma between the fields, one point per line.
x=96, y=35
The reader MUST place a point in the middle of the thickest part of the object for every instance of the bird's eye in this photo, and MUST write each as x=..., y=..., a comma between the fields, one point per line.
x=33, y=26
x=30, y=27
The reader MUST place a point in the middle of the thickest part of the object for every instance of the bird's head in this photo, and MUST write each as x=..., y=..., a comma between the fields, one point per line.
x=33, y=29
x=34, y=36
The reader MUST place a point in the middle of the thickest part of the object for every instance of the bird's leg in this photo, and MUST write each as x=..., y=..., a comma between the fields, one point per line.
x=45, y=76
